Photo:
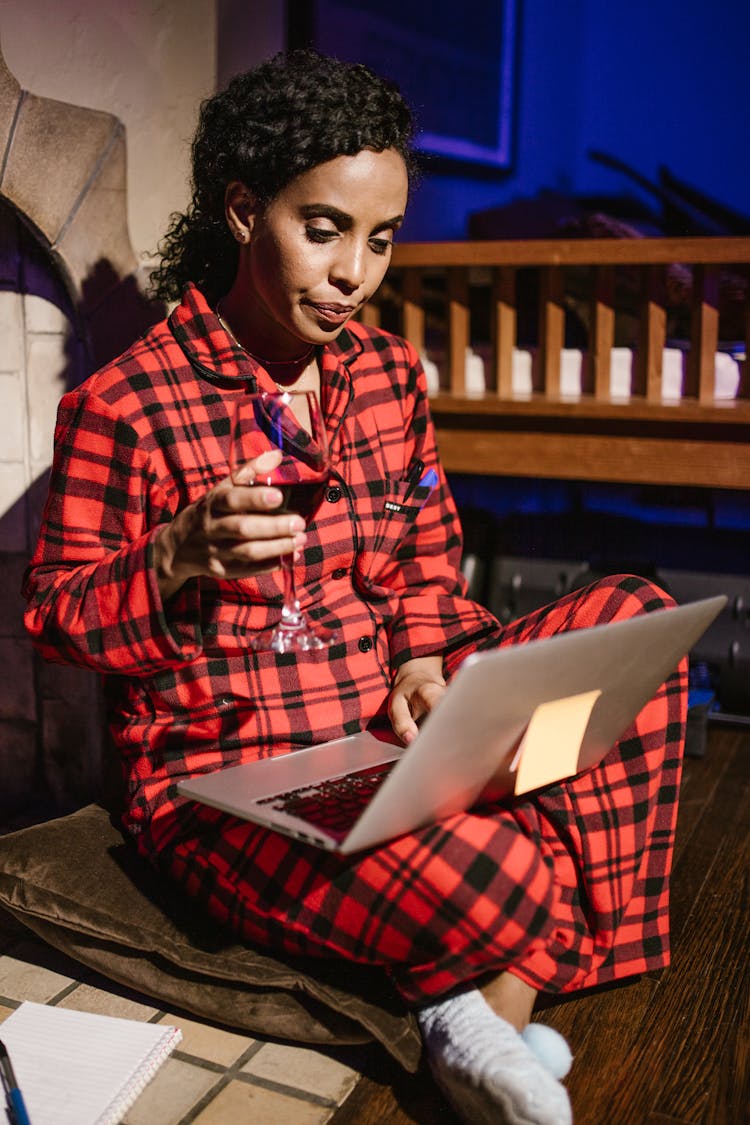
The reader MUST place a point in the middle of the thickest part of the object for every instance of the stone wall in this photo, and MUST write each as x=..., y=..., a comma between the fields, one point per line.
x=50, y=720
x=70, y=299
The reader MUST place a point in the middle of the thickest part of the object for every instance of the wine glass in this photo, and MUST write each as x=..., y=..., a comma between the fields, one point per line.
x=291, y=422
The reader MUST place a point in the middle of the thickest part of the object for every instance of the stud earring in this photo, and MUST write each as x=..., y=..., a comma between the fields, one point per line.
x=240, y=235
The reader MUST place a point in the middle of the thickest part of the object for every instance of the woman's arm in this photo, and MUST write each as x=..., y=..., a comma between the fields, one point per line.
x=109, y=586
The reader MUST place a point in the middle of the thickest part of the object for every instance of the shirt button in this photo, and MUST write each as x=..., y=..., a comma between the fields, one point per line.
x=223, y=701
x=333, y=495
x=365, y=644
x=339, y=572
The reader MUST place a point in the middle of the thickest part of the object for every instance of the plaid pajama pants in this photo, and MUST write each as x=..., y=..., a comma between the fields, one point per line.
x=567, y=888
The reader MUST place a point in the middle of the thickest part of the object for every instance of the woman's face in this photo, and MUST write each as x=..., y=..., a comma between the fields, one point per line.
x=318, y=251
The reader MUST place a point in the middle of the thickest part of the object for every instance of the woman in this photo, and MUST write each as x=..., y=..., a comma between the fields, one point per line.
x=152, y=568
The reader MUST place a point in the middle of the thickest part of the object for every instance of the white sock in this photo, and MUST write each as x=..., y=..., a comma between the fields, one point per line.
x=485, y=1068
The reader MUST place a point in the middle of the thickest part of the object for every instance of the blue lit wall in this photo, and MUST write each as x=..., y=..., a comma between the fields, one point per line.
x=650, y=81
x=667, y=83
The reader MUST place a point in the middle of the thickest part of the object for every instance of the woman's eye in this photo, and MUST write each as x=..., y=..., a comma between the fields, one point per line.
x=320, y=234
x=380, y=245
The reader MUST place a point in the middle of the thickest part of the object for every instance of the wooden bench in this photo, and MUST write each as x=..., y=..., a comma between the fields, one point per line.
x=591, y=436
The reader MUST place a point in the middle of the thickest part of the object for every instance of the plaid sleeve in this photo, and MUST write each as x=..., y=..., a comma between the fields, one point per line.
x=91, y=586
x=434, y=614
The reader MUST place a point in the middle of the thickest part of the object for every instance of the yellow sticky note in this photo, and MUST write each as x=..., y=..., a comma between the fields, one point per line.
x=551, y=743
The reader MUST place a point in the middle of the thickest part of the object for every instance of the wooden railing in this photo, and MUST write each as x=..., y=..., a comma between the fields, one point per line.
x=430, y=294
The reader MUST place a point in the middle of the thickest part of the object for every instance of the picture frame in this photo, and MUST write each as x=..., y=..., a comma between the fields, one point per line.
x=455, y=66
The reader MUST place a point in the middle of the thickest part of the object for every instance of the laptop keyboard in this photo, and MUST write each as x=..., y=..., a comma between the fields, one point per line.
x=336, y=804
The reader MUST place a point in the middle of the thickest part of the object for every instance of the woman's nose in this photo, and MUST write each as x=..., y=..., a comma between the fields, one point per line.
x=348, y=269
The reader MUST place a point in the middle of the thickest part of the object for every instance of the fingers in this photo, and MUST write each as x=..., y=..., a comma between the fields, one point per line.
x=410, y=704
x=251, y=543
x=403, y=724
x=240, y=524
x=228, y=498
x=245, y=559
x=234, y=531
x=259, y=548
x=249, y=486
x=252, y=526
x=249, y=471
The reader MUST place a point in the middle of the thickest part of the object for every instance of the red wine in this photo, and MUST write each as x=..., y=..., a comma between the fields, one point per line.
x=303, y=498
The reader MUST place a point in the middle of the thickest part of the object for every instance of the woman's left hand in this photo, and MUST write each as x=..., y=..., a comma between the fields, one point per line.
x=418, y=686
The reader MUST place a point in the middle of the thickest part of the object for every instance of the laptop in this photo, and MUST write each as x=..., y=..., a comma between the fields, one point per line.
x=511, y=720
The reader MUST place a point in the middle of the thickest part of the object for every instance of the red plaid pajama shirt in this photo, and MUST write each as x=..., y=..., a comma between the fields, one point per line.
x=569, y=887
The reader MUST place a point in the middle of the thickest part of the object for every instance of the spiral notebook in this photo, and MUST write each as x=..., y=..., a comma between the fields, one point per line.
x=76, y=1068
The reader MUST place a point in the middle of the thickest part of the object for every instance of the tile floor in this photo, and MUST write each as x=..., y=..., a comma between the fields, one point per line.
x=215, y=1077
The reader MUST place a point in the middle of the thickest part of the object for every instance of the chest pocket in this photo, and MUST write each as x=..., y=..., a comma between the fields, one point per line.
x=390, y=519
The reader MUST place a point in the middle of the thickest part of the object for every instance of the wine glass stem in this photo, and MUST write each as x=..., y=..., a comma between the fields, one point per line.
x=291, y=614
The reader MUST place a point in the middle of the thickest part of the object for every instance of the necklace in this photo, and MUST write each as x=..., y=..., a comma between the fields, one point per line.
x=299, y=362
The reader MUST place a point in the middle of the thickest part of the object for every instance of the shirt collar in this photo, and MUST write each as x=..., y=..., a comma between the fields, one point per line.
x=215, y=355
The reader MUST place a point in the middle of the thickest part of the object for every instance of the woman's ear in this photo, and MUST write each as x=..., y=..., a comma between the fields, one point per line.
x=240, y=207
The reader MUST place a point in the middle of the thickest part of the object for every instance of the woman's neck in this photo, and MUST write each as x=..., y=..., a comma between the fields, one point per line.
x=261, y=345
x=298, y=373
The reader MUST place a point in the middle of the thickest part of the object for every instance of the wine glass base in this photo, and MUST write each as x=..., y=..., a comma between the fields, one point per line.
x=303, y=638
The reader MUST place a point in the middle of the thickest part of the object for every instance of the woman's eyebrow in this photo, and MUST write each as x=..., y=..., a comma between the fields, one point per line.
x=326, y=211
x=389, y=223
x=342, y=220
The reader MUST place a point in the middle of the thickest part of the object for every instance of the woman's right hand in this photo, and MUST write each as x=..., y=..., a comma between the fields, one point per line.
x=231, y=532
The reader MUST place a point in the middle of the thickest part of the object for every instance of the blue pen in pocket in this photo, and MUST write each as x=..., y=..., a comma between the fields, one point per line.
x=419, y=492
x=419, y=485
x=429, y=480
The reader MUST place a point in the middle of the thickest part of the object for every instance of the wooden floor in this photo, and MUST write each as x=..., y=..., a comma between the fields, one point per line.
x=662, y=1050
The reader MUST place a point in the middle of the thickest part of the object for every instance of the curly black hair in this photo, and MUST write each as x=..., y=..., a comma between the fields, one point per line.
x=270, y=125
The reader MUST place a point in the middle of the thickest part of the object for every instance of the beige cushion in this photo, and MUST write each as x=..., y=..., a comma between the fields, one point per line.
x=80, y=887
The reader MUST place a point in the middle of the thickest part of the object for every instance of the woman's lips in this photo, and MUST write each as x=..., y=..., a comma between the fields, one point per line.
x=331, y=313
